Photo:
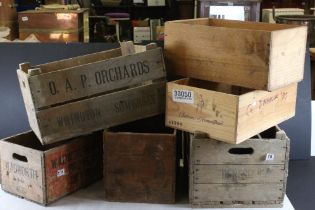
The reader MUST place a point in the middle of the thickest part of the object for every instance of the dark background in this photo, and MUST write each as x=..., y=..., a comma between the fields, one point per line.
x=13, y=117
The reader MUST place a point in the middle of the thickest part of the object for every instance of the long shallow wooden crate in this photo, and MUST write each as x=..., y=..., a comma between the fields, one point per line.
x=248, y=54
x=44, y=174
x=226, y=113
x=140, y=162
x=76, y=96
x=251, y=174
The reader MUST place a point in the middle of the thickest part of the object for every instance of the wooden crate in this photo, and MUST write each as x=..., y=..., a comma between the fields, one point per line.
x=55, y=25
x=8, y=18
x=247, y=54
x=44, y=174
x=76, y=96
x=226, y=113
x=140, y=162
x=251, y=174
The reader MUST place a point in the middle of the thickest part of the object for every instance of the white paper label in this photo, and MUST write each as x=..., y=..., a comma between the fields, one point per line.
x=183, y=96
x=270, y=156
x=24, y=18
x=60, y=172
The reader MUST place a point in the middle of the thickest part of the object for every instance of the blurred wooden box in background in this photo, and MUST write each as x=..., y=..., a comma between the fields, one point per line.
x=8, y=18
x=55, y=25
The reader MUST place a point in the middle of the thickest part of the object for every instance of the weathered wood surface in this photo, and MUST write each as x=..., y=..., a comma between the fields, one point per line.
x=22, y=170
x=82, y=117
x=251, y=174
x=238, y=192
x=220, y=152
x=44, y=174
x=79, y=160
x=255, y=55
x=140, y=167
x=95, y=76
x=225, y=113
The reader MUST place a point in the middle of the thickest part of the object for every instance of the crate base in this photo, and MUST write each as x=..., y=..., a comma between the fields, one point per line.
x=267, y=205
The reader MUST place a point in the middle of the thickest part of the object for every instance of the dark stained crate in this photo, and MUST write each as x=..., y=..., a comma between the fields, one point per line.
x=140, y=162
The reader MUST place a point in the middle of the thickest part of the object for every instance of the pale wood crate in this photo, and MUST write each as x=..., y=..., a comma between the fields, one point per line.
x=140, y=162
x=220, y=177
x=226, y=113
x=248, y=54
x=44, y=174
x=72, y=97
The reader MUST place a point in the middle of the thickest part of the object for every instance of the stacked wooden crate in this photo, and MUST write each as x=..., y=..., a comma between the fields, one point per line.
x=66, y=101
x=241, y=80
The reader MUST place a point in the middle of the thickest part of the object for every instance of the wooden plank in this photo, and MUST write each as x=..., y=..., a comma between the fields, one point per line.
x=239, y=53
x=259, y=110
x=215, y=152
x=238, y=174
x=238, y=192
x=140, y=167
x=287, y=52
x=79, y=60
x=209, y=111
x=73, y=165
x=96, y=78
x=27, y=98
x=22, y=170
x=82, y=117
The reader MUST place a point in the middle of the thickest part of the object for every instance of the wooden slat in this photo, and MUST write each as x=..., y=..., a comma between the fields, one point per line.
x=82, y=117
x=238, y=174
x=214, y=152
x=246, y=54
x=79, y=60
x=238, y=192
x=96, y=77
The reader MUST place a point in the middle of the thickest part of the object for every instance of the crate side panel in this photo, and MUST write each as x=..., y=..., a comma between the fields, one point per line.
x=238, y=57
x=140, y=167
x=82, y=117
x=260, y=110
x=211, y=112
x=22, y=178
x=96, y=78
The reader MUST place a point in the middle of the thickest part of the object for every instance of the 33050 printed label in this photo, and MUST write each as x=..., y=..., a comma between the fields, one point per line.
x=183, y=96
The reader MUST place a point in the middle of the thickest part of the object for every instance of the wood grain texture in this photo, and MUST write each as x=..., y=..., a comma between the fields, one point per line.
x=85, y=116
x=24, y=179
x=211, y=112
x=227, y=113
x=223, y=175
x=96, y=77
x=247, y=54
x=140, y=167
x=81, y=162
x=44, y=174
x=231, y=174
x=259, y=110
